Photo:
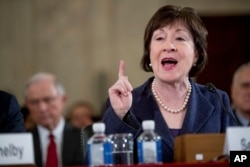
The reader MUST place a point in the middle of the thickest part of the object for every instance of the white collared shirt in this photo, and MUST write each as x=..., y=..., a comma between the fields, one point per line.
x=242, y=120
x=44, y=139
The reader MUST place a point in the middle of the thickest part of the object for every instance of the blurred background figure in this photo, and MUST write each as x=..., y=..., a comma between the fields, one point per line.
x=80, y=114
x=11, y=119
x=53, y=136
x=29, y=123
x=240, y=94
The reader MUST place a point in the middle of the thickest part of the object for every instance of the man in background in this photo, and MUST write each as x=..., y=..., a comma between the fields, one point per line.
x=56, y=142
x=240, y=94
x=11, y=119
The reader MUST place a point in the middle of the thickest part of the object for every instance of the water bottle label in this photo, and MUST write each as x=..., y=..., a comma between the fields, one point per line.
x=108, y=156
x=96, y=156
x=140, y=152
x=149, y=152
x=159, y=150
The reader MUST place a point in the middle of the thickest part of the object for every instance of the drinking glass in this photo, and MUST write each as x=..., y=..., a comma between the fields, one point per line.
x=122, y=148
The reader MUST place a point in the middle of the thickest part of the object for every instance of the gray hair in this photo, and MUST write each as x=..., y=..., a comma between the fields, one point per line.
x=45, y=76
x=239, y=69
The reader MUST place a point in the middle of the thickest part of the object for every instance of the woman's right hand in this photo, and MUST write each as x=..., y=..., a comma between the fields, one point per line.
x=120, y=93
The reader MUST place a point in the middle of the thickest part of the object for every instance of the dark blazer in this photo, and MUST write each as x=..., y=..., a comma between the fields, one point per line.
x=72, y=153
x=11, y=118
x=205, y=114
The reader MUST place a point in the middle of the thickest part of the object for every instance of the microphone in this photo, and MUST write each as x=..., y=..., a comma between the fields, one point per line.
x=213, y=89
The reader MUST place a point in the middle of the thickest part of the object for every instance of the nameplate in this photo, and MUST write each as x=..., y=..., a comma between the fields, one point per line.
x=16, y=148
x=237, y=139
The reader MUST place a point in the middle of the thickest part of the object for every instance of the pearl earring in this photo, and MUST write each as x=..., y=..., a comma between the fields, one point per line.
x=150, y=65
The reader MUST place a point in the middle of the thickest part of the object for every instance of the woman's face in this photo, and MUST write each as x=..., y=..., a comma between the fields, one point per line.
x=172, y=53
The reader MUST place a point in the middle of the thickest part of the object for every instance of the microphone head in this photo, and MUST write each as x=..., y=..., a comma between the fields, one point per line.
x=210, y=87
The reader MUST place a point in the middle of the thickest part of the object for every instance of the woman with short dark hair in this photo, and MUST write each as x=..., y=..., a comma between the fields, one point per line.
x=175, y=49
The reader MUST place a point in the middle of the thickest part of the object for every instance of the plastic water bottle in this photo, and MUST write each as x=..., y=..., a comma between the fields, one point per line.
x=149, y=144
x=100, y=149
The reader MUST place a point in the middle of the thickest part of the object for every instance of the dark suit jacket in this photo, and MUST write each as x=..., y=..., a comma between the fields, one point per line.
x=71, y=154
x=11, y=118
x=205, y=114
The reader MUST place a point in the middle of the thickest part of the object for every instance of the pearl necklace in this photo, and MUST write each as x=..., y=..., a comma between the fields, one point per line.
x=183, y=106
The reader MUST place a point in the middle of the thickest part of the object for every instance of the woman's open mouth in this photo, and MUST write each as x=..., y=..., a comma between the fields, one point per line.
x=168, y=63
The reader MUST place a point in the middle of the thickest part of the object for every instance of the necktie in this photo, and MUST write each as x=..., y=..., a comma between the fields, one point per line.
x=52, y=160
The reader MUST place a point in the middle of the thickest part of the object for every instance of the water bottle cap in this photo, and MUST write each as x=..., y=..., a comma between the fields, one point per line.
x=148, y=124
x=98, y=127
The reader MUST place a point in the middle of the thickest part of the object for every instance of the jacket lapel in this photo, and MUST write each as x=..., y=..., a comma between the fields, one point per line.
x=66, y=144
x=148, y=110
x=37, y=147
x=198, y=112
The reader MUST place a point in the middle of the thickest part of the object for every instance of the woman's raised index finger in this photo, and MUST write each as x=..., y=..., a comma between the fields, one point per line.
x=121, y=69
